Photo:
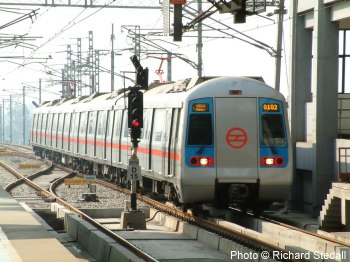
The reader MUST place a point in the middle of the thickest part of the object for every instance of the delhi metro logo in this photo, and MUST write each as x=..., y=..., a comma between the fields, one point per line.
x=236, y=137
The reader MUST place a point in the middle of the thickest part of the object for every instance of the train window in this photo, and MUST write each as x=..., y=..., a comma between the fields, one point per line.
x=82, y=125
x=34, y=121
x=101, y=122
x=110, y=122
x=159, y=124
x=67, y=123
x=272, y=130
x=54, y=123
x=48, y=124
x=92, y=122
x=200, y=130
x=76, y=124
x=60, y=124
x=126, y=129
x=39, y=122
x=43, y=124
x=117, y=123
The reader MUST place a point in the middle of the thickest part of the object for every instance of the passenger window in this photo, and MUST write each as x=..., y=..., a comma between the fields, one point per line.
x=60, y=124
x=54, y=123
x=92, y=123
x=159, y=124
x=101, y=122
x=200, y=130
x=40, y=122
x=147, y=118
x=126, y=129
x=48, y=124
x=67, y=123
x=83, y=121
x=117, y=123
x=110, y=123
x=76, y=123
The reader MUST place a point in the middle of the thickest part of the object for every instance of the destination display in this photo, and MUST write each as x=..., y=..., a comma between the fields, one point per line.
x=202, y=107
x=270, y=107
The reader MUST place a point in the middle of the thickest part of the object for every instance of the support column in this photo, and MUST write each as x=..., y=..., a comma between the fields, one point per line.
x=325, y=101
x=300, y=93
x=300, y=75
x=24, y=115
x=11, y=120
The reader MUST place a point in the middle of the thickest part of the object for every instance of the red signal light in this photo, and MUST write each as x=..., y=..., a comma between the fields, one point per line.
x=136, y=123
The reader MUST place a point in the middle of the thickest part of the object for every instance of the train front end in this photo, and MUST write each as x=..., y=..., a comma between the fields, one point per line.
x=237, y=147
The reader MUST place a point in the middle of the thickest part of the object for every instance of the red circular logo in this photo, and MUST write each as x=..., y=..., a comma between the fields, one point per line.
x=236, y=138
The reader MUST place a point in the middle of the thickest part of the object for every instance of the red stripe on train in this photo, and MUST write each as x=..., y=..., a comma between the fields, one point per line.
x=141, y=150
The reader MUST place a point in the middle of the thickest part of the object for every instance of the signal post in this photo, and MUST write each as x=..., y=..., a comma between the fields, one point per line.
x=134, y=218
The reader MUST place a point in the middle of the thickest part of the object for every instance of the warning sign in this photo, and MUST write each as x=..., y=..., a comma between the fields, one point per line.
x=75, y=181
x=236, y=137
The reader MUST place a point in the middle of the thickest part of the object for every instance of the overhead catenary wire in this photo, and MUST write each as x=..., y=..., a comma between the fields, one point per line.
x=258, y=43
x=64, y=29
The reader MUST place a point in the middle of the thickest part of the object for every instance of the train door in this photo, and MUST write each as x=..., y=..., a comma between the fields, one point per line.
x=109, y=135
x=116, y=136
x=74, y=133
x=236, y=140
x=125, y=144
x=66, y=132
x=39, y=132
x=54, y=131
x=173, y=150
x=159, y=140
x=43, y=130
x=168, y=144
x=145, y=144
x=60, y=131
x=101, y=135
x=48, y=130
x=90, y=127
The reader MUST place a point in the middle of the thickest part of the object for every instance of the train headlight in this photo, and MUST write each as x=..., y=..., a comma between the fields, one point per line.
x=204, y=161
x=272, y=161
x=269, y=161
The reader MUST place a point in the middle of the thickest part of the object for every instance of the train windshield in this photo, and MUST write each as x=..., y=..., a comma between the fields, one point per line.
x=200, y=130
x=273, y=133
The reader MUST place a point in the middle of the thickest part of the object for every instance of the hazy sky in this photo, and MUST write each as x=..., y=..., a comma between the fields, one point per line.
x=220, y=56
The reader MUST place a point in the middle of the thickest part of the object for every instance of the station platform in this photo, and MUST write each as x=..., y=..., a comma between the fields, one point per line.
x=24, y=238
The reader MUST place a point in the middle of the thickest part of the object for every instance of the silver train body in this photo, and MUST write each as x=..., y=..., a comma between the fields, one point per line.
x=220, y=140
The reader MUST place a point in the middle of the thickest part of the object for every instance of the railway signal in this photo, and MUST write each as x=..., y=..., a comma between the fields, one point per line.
x=135, y=115
x=141, y=74
x=135, y=123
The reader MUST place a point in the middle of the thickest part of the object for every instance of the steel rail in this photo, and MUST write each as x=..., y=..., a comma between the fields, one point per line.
x=230, y=233
x=279, y=223
x=87, y=218
x=216, y=228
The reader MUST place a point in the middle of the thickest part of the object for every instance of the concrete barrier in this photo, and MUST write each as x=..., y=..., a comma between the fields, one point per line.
x=84, y=230
x=96, y=243
x=121, y=254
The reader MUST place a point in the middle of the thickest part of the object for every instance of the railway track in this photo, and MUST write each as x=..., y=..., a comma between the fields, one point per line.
x=253, y=244
x=248, y=238
x=45, y=194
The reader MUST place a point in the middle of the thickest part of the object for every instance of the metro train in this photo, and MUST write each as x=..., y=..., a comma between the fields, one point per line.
x=221, y=140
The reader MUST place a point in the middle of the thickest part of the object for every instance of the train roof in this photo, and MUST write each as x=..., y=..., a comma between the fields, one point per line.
x=196, y=86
